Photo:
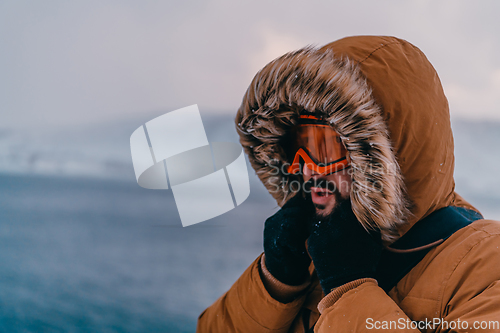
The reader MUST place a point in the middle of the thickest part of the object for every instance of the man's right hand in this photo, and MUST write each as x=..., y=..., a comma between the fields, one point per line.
x=285, y=234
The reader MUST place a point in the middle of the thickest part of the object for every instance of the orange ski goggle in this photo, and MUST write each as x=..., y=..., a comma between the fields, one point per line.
x=318, y=145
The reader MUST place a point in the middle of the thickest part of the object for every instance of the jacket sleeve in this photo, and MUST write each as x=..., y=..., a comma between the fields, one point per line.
x=472, y=291
x=248, y=307
x=361, y=306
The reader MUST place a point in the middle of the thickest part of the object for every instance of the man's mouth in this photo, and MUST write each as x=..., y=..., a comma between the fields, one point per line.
x=322, y=192
x=322, y=196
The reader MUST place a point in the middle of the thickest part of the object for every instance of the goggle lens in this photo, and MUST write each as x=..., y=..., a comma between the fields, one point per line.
x=319, y=146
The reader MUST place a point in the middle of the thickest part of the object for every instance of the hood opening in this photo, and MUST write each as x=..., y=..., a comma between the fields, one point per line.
x=385, y=100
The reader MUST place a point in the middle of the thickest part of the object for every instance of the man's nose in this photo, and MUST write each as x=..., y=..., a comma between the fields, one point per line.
x=308, y=172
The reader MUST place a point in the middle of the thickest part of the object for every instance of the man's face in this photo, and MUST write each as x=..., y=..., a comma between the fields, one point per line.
x=327, y=191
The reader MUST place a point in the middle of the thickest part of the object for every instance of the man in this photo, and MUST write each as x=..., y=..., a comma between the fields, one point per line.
x=373, y=235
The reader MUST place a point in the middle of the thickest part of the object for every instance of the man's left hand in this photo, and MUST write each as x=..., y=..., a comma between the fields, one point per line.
x=342, y=250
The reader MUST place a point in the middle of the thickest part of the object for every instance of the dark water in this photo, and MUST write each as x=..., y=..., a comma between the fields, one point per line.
x=80, y=255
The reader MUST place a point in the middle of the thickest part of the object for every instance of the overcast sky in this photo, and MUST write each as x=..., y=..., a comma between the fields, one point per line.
x=69, y=62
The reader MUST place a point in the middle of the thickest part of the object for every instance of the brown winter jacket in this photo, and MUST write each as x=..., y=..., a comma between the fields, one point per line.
x=386, y=101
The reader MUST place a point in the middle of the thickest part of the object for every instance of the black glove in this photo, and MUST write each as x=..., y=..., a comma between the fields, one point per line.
x=285, y=234
x=342, y=250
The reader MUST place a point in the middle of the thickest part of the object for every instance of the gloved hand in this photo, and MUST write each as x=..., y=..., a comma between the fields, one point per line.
x=285, y=234
x=342, y=250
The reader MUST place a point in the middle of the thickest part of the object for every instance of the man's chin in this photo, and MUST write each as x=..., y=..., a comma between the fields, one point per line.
x=324, y=212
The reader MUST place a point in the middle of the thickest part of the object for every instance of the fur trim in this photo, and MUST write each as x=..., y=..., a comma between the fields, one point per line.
x=311, y=80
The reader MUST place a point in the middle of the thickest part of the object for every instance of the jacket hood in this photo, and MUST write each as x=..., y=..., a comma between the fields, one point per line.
x=385, y=100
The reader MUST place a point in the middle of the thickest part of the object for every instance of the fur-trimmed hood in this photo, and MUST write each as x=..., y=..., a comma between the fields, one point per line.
x=385, y=100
